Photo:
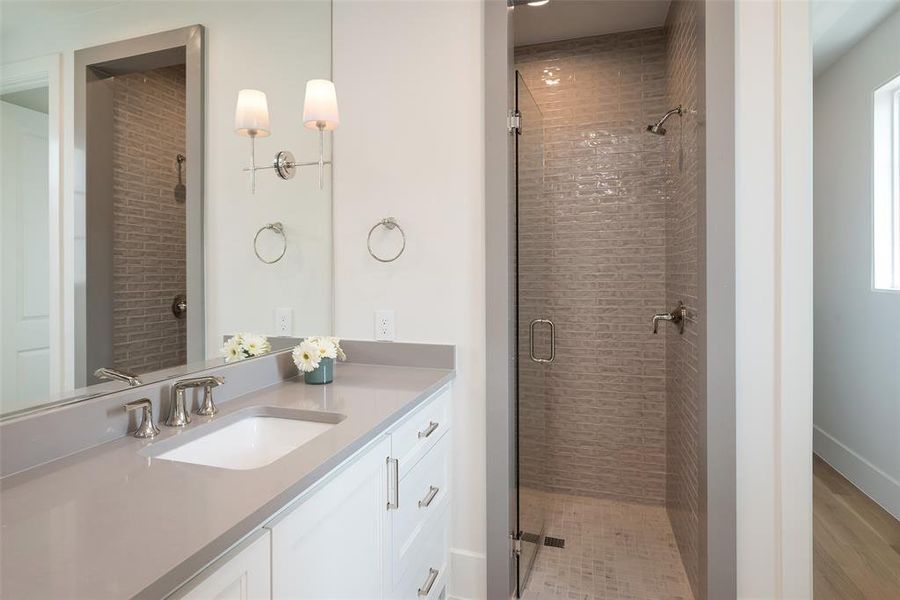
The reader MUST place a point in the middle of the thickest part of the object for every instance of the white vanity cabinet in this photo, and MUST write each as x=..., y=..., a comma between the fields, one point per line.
x=375, y=527
x=332, y=544
x=242, y=574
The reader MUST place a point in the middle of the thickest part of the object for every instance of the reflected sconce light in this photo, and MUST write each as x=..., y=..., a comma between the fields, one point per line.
x=320, y=111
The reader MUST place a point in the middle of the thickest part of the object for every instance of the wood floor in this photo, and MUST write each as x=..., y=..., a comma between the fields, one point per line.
x=856, y=543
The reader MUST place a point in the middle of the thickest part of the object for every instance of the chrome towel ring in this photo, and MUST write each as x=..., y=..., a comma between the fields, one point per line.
x=278, y=228
x=389, y=223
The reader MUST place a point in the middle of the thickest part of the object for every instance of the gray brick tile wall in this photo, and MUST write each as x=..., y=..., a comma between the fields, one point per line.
x=149, y=219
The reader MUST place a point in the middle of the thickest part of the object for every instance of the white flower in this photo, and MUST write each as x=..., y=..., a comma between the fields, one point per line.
x=306, y=356
x=255, y=345
x=337, y=346
x=326, y=348
x=232, y=350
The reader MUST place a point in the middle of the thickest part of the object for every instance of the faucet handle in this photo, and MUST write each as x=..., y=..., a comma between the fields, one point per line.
x=147, y=428
x=208, y=408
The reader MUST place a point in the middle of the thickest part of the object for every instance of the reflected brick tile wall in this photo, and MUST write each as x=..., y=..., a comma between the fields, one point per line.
x=683, y=233
x=149, y=219
x=592, y=259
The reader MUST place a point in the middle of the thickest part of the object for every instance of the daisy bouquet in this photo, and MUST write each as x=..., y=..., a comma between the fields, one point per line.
x=315, y=357
x=245, y=345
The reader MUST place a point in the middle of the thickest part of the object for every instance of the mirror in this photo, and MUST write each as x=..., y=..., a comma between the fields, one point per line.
x=131, y=246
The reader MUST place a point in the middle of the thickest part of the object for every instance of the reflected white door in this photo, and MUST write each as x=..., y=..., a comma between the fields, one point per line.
x=24, y=258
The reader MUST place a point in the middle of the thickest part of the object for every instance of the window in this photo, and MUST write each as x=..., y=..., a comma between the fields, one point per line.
x=886, y=188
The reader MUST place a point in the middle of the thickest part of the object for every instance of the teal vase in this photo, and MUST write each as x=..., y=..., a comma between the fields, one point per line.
x=324, y=373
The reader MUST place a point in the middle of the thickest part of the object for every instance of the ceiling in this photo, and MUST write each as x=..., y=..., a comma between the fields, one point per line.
x=569, y=19
x=837, y=25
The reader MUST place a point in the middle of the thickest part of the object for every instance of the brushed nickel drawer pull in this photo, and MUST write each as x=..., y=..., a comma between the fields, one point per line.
x=393, y=465
x=432, y=492
x=429, y=430
x=429, y=583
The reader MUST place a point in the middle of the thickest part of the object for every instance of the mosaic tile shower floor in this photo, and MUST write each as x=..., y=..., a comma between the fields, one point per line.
x=613, y=551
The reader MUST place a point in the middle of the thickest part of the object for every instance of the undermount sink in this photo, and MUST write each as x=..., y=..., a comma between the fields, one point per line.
x=247, y=439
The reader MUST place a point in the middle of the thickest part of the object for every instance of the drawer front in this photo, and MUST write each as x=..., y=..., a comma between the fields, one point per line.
x=424, y=493
x=412, y=438
x=426, y=577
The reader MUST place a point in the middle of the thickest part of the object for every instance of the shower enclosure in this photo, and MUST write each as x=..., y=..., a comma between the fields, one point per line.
x=608, y=199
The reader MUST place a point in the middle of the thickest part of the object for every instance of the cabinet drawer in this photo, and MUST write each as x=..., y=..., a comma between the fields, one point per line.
x=412, y=438
x=424, y=493
x=426, y=577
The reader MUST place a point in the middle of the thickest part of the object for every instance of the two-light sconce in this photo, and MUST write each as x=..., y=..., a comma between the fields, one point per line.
x=320, y=111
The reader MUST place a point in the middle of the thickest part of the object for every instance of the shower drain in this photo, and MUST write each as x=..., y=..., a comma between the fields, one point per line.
x=553, y=542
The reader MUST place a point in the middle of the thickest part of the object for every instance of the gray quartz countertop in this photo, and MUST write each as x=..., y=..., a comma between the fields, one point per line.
x=111, y=523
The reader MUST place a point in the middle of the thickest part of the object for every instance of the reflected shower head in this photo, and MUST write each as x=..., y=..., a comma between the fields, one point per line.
x=657, y=127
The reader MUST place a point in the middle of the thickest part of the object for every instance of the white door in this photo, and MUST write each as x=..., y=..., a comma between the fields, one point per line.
x=24, y=258
x=333, y=544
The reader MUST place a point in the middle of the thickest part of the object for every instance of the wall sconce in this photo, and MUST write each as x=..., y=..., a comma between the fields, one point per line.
x=320, y=111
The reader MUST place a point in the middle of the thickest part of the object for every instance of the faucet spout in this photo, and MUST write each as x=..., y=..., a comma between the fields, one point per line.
x=179, y=415
x=116, y=375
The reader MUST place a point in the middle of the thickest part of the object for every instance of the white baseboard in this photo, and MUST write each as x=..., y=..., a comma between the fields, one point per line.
x=467, y=575
x=872, y=481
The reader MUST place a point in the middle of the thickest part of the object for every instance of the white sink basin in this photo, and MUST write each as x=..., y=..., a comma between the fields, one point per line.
x=247, y=439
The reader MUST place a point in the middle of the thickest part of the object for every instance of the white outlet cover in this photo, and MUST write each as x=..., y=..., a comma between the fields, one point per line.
x=384, y=325
x=284, y=321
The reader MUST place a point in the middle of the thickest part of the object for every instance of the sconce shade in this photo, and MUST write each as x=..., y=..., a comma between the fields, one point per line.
x=320, y=105
x=251, y=117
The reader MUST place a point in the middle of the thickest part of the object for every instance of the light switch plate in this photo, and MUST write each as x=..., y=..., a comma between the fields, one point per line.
x=284, y=321
x=384, y=325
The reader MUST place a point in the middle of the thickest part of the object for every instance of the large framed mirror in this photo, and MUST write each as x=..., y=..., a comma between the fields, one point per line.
x=132, y=246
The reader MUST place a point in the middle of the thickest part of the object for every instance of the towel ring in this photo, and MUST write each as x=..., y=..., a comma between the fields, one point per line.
x=278, y=228
x=388, y=223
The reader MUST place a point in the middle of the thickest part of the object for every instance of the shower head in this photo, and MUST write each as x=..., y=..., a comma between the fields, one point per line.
x=657, y=127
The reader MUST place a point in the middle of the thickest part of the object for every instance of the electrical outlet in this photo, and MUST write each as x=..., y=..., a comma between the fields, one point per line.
x=284, y=321
x=384, y=325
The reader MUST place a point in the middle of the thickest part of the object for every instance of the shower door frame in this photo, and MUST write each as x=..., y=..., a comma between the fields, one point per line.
x=522, y=579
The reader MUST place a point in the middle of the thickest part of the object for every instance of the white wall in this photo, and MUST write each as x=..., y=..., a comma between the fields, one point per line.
x=773, y=298
x=243, y=40
x=857, y=355
x=411, y=146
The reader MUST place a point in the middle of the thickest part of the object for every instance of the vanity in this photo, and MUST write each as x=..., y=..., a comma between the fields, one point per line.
x=246, y=482
x=359, y=509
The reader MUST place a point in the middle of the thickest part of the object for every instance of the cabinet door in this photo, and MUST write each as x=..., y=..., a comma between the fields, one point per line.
x=333, y=543
x=241, y=575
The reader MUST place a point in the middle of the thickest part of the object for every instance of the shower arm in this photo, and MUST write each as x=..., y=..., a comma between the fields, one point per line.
x=678, y=110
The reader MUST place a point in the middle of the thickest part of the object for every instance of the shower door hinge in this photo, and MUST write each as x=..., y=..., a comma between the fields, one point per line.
x=514, y=122
x=515, y=540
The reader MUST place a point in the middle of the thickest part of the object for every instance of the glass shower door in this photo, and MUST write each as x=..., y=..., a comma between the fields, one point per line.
x=534, y=328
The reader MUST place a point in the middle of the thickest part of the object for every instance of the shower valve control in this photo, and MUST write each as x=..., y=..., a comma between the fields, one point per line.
x=677, y=317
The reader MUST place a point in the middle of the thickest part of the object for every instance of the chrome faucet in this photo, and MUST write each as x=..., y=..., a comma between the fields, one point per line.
x=677, y=317
x=179, y=416
x=116, y=375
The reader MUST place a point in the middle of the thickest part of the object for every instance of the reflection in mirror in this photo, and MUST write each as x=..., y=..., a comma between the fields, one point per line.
x=139, y=262
x=25, y=241
x=141, y=108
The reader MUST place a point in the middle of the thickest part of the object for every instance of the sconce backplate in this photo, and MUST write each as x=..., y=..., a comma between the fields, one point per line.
x=285, y=165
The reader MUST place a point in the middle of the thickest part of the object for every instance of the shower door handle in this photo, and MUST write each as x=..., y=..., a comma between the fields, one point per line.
x=531, y=327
